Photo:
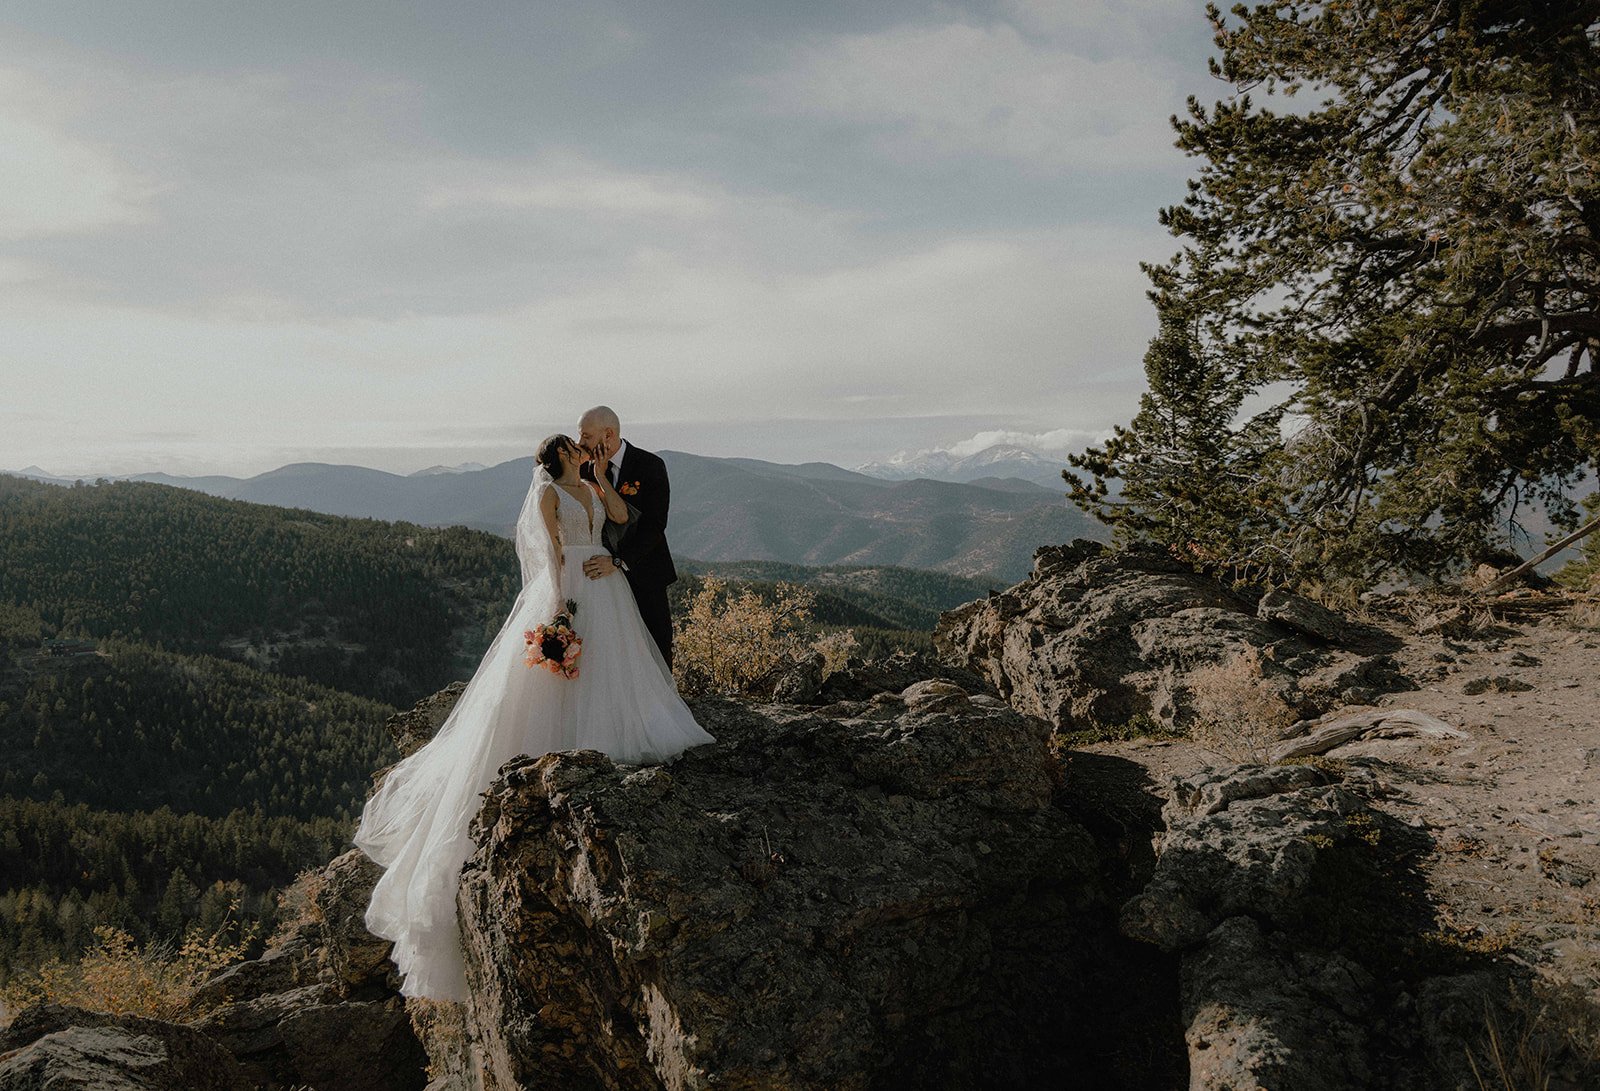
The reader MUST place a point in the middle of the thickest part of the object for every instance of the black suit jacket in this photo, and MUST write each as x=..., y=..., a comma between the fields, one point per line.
x=643, y=544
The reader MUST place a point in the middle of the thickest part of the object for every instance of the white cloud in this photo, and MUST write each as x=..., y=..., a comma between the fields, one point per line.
x=317, y=194
x=1055, y=441
x=347, y=254
x=52, y=182
x=959, y=89
x=574, y=185
x=1022, y=326
x=1106, y=26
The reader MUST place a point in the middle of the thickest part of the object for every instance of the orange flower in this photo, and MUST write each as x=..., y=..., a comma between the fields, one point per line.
x=628, y=488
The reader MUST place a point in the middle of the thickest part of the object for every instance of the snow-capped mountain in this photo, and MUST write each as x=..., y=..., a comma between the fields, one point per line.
x=459, y=468
x=1000, y=460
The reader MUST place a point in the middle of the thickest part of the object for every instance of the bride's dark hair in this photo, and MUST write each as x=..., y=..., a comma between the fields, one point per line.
x=549, y=453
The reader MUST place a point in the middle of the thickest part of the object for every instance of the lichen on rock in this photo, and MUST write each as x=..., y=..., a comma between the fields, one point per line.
x=810, y=902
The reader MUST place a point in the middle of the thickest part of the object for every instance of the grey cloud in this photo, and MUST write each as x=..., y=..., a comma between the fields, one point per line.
x=317, y=201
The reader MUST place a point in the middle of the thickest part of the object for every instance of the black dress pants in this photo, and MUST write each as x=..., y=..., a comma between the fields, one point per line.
x=655, y=612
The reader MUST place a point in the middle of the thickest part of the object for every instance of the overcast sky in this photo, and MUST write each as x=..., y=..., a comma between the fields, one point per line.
x=235, y=235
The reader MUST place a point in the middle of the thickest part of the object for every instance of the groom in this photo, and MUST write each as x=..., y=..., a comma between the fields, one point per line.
x=641, y=551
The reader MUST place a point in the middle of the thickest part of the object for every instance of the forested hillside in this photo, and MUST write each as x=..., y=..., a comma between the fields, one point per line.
x=135, y=728
x=218, y=731
x=391, y=611
x=69, y=866
x=150, y=789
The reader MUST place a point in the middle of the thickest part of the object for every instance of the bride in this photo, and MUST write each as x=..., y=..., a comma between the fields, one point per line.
x=622, y=702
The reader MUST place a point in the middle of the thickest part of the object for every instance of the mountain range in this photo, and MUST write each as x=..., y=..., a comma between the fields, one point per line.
x=723, y=509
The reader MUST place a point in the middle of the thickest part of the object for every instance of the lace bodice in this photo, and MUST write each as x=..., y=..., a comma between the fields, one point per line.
x=574, y=521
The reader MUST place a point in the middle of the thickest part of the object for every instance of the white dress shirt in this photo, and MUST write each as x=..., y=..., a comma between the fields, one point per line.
x=614, y=464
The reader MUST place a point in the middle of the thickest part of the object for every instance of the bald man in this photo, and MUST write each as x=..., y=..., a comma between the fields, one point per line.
x=641, y=551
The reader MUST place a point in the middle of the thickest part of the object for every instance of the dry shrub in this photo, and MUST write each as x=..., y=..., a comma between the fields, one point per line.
x=1514, y=1061
x=115, y=976
x=835, y=648
x=739, y=642
x=1416, y=610
x=440, y=1025
x=1549, y=1033
x=297, y=904
x=1341, y=597
x=1546, y=1033
x=1442, y=612
x=1238, y=713
x=1585, y=614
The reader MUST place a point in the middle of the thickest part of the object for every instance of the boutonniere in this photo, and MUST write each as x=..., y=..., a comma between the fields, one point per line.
x=628, y=488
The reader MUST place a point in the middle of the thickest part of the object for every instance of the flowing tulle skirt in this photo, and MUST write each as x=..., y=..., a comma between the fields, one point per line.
x=623, y=703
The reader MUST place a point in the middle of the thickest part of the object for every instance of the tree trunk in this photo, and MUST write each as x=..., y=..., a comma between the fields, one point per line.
x=1550, y=551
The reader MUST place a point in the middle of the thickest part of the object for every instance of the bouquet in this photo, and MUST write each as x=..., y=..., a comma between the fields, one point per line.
x=555, y=645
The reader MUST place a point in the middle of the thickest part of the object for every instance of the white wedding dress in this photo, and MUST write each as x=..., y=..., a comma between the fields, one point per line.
x=623, y=703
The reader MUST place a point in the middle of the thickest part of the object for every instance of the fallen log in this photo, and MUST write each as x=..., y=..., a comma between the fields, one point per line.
x=1505, y=579
x=1310, y=737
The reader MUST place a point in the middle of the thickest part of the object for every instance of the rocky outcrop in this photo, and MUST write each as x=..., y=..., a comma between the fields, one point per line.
x=412, y=728
x=1100, y=638
x=891, y=880
x=861, y=680
x=806, y=683
x=321, y=1007
x=1310, y=958
x=313, y=1036
x=64, y=1048
x=1230, y=892
x=886, y=900
x=1242, y=841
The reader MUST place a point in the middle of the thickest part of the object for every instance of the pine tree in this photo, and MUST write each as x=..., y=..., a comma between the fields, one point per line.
x=1179, y=446
x=1408, y=271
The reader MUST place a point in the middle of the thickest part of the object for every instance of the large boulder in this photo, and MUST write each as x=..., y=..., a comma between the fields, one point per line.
x=1310, y=959
x=1099, y=638
x=810, y=902
x=321, y=1006
x=412, y=728
x=1240, y=840
x=863, y=679
x=64, y=1048
x=313, y=1035
x=354, y=959
x=1242, y=854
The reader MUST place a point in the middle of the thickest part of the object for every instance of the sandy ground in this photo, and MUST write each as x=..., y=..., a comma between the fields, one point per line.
x=1514, y=809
